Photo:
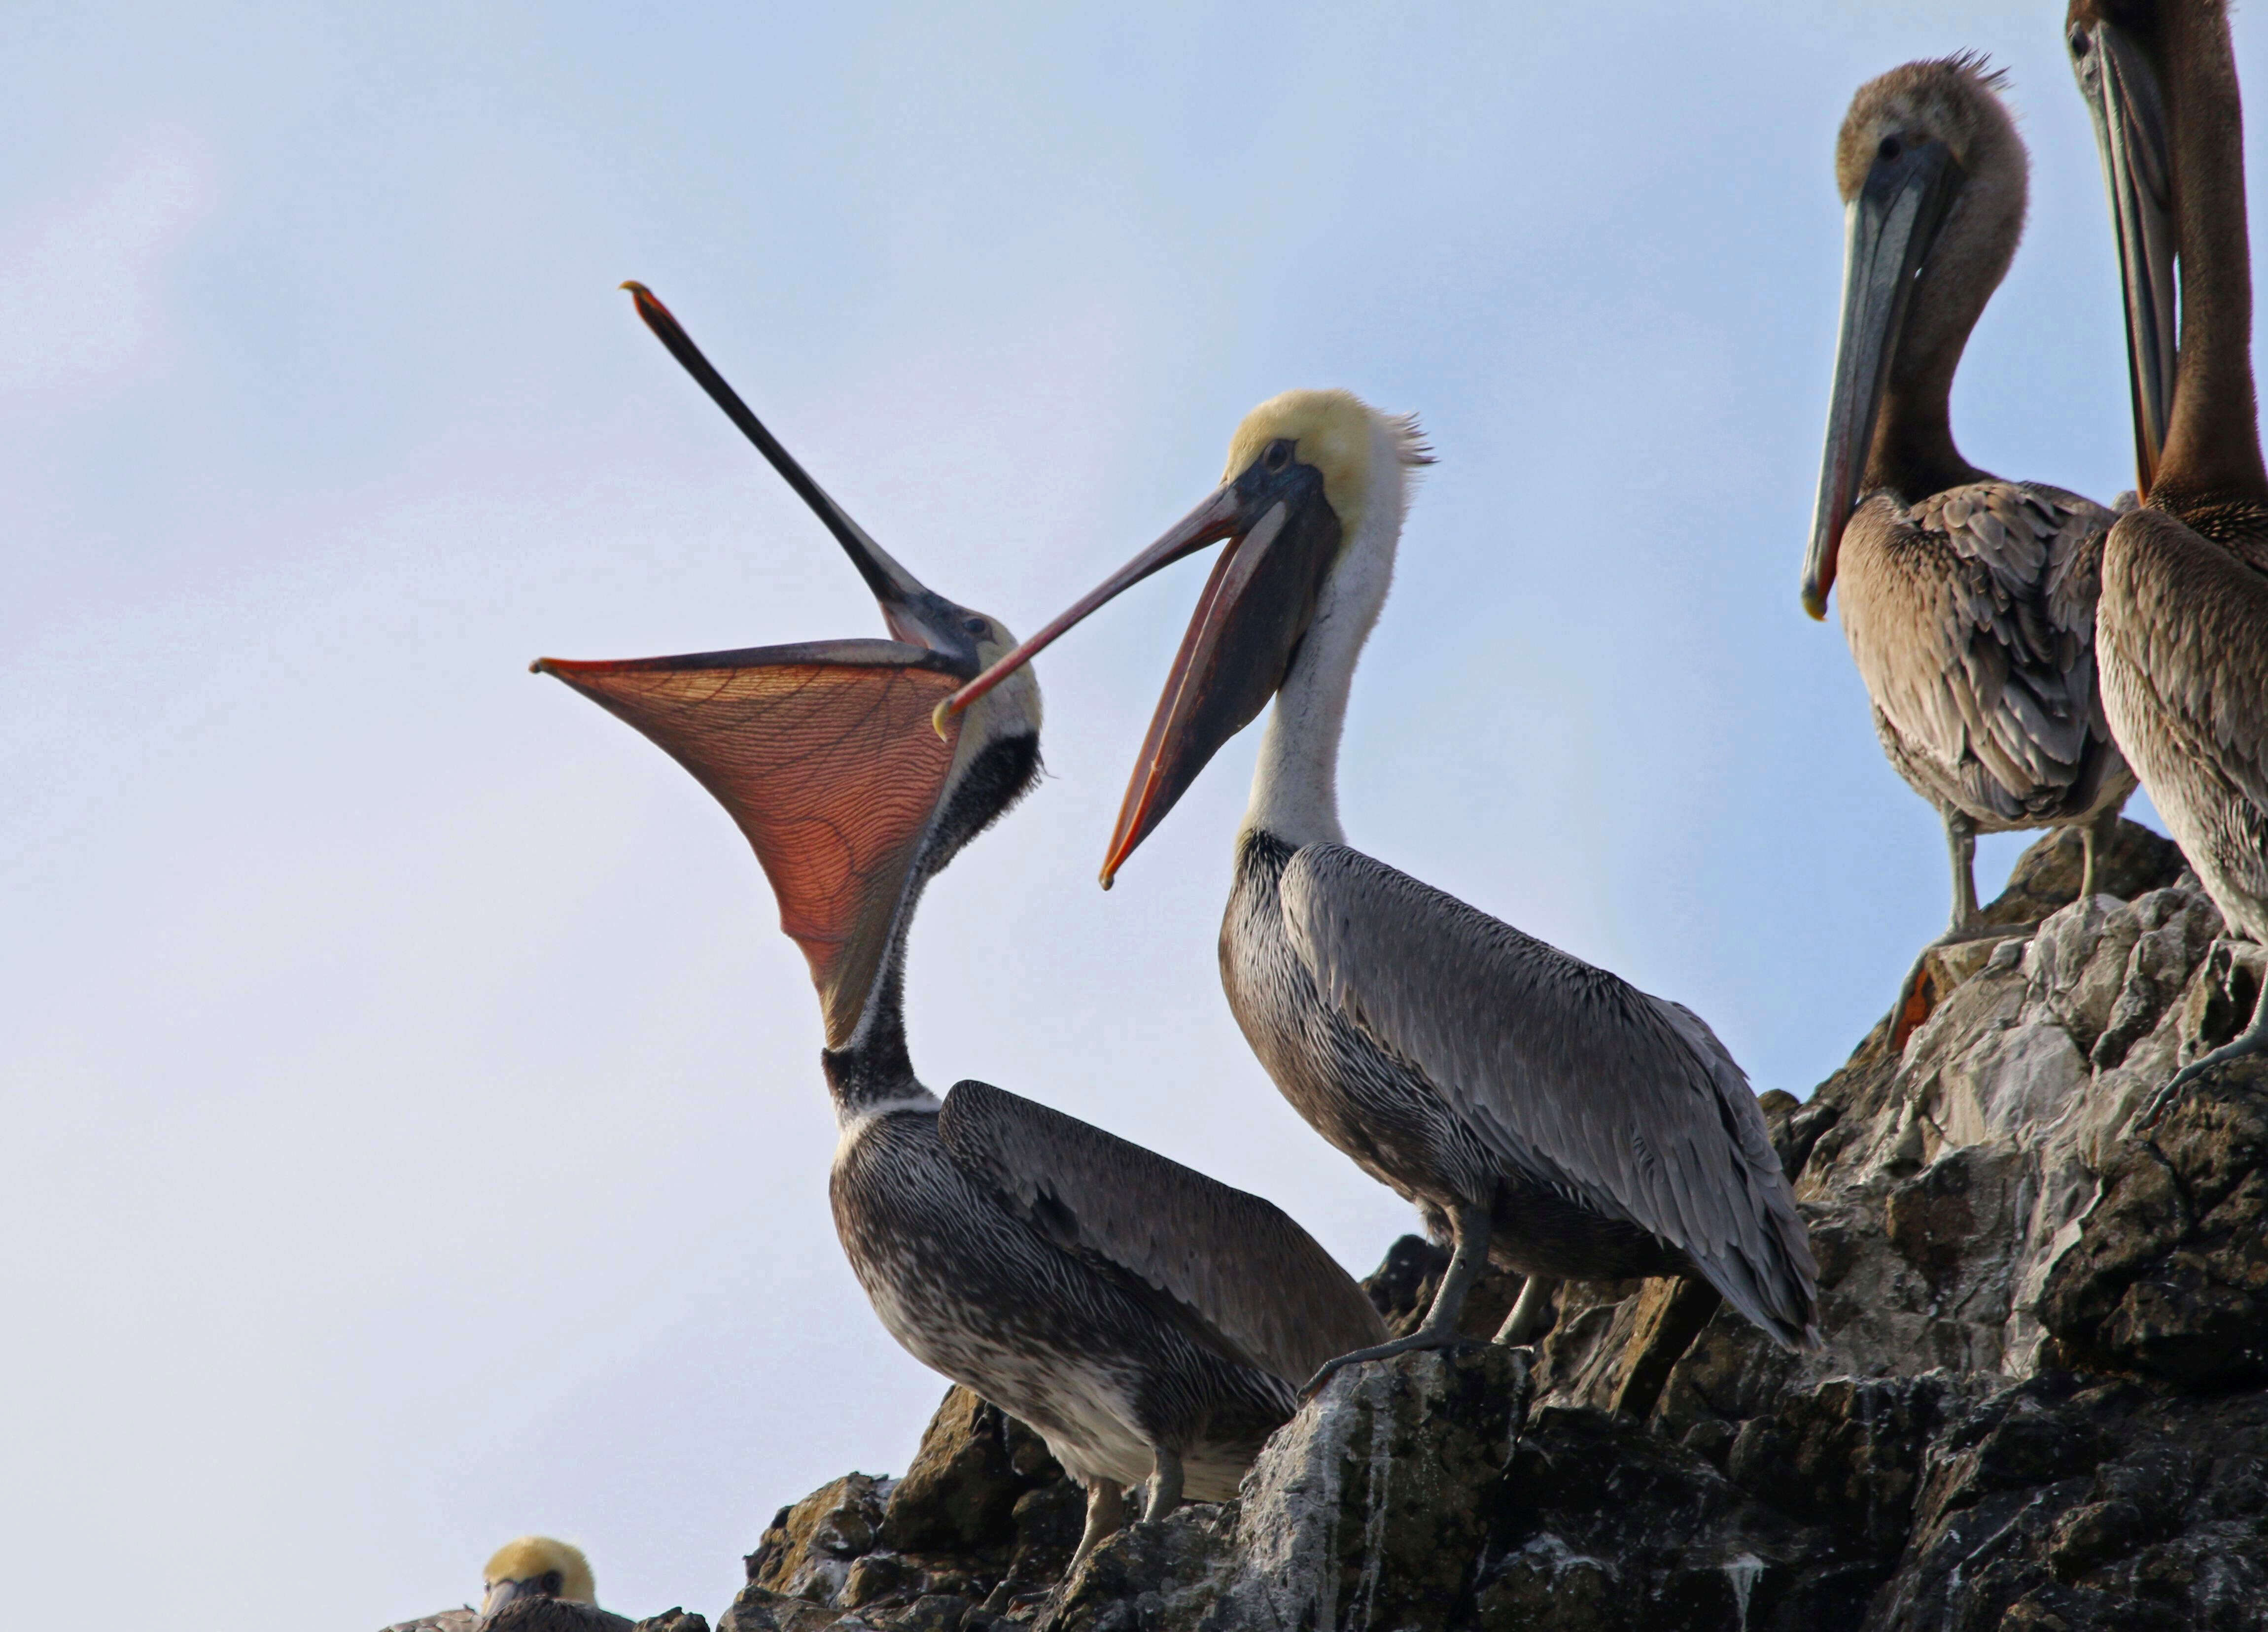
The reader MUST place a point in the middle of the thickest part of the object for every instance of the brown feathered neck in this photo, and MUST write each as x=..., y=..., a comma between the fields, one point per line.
x=1955, y=100
x=2212, y=461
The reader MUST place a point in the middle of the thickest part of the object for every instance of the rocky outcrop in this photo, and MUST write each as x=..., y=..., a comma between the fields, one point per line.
x=984, y=1519
x=2042, y=1401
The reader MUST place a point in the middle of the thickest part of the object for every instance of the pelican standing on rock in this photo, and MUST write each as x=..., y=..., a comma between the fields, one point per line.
x=1147, y=1321
x=2184, y=621
x=1541, y=1113
x=1969, y=601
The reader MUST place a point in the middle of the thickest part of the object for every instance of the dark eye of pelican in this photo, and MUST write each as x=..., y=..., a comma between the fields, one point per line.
x=1279, y=455
x=2079, y=42
x=978, y=627
x=1891, y=149
x=551, y=1584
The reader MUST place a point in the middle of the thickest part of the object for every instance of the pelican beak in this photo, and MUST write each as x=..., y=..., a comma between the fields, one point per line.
x=502, y=1594
x=1888, y=228
x=1282, y=538
x=820, y=754
x=2124, y=99
x=914, y=613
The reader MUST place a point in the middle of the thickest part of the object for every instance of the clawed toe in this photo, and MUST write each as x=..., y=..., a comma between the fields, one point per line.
x=1384, y=1351
x=2162, y=1101
x=2253, y=1042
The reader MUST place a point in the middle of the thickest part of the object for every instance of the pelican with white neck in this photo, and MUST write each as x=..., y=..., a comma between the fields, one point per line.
x=1540, y=1112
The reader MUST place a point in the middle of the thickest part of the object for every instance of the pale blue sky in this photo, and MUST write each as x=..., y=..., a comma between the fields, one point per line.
x=410, y=1109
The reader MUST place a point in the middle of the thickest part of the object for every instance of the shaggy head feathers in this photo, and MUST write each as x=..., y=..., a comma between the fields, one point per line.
x=1952, y=99
x=531, y=1558
x=1337, y=433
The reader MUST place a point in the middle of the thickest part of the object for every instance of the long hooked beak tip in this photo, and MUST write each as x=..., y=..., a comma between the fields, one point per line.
x=646, y=301
x=938, y=715
x=536, y=667
x=1815, y=604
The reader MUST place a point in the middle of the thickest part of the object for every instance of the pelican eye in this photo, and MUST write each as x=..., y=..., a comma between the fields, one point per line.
x=1278, y=455
x=549, y=1585
x=1891, y=149
x=978, y=627
x=2079, y=42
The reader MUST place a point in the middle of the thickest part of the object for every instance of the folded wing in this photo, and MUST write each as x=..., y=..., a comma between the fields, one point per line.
x=1248, y=1274
x=1624, y=1102
x=1995, y=674
x=2194, y=624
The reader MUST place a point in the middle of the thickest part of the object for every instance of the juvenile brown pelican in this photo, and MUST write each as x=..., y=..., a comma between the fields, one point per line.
x=2184, y=621
x=1147, y=1321
x=1969, y=601
x=1541, y=1112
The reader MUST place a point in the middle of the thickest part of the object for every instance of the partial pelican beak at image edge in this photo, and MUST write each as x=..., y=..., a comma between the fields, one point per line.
x=2130, y=132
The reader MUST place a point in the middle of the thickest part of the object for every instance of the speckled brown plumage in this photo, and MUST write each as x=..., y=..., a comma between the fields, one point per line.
x=1970, y=613
x=2183, y=618
x=1968, y=600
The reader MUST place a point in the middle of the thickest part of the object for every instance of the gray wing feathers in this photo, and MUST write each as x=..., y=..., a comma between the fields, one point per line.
x=1995, y=671
x=1625, y=1101
x=1239, y=1263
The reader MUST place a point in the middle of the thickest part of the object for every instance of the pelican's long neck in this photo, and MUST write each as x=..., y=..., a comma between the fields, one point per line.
x=1914, y=454
x=1295, y=786
x=873, y=1072
x=2212, y=443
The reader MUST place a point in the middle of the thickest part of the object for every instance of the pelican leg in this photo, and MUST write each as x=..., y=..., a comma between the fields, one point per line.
x=1165, y=1485
x=1914, y=1002
x=1961, y=844
x=2094, y=839
x=1469, y=1228
x=2254, y=1040
x=1105, y=1510
x=1532, y=1313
